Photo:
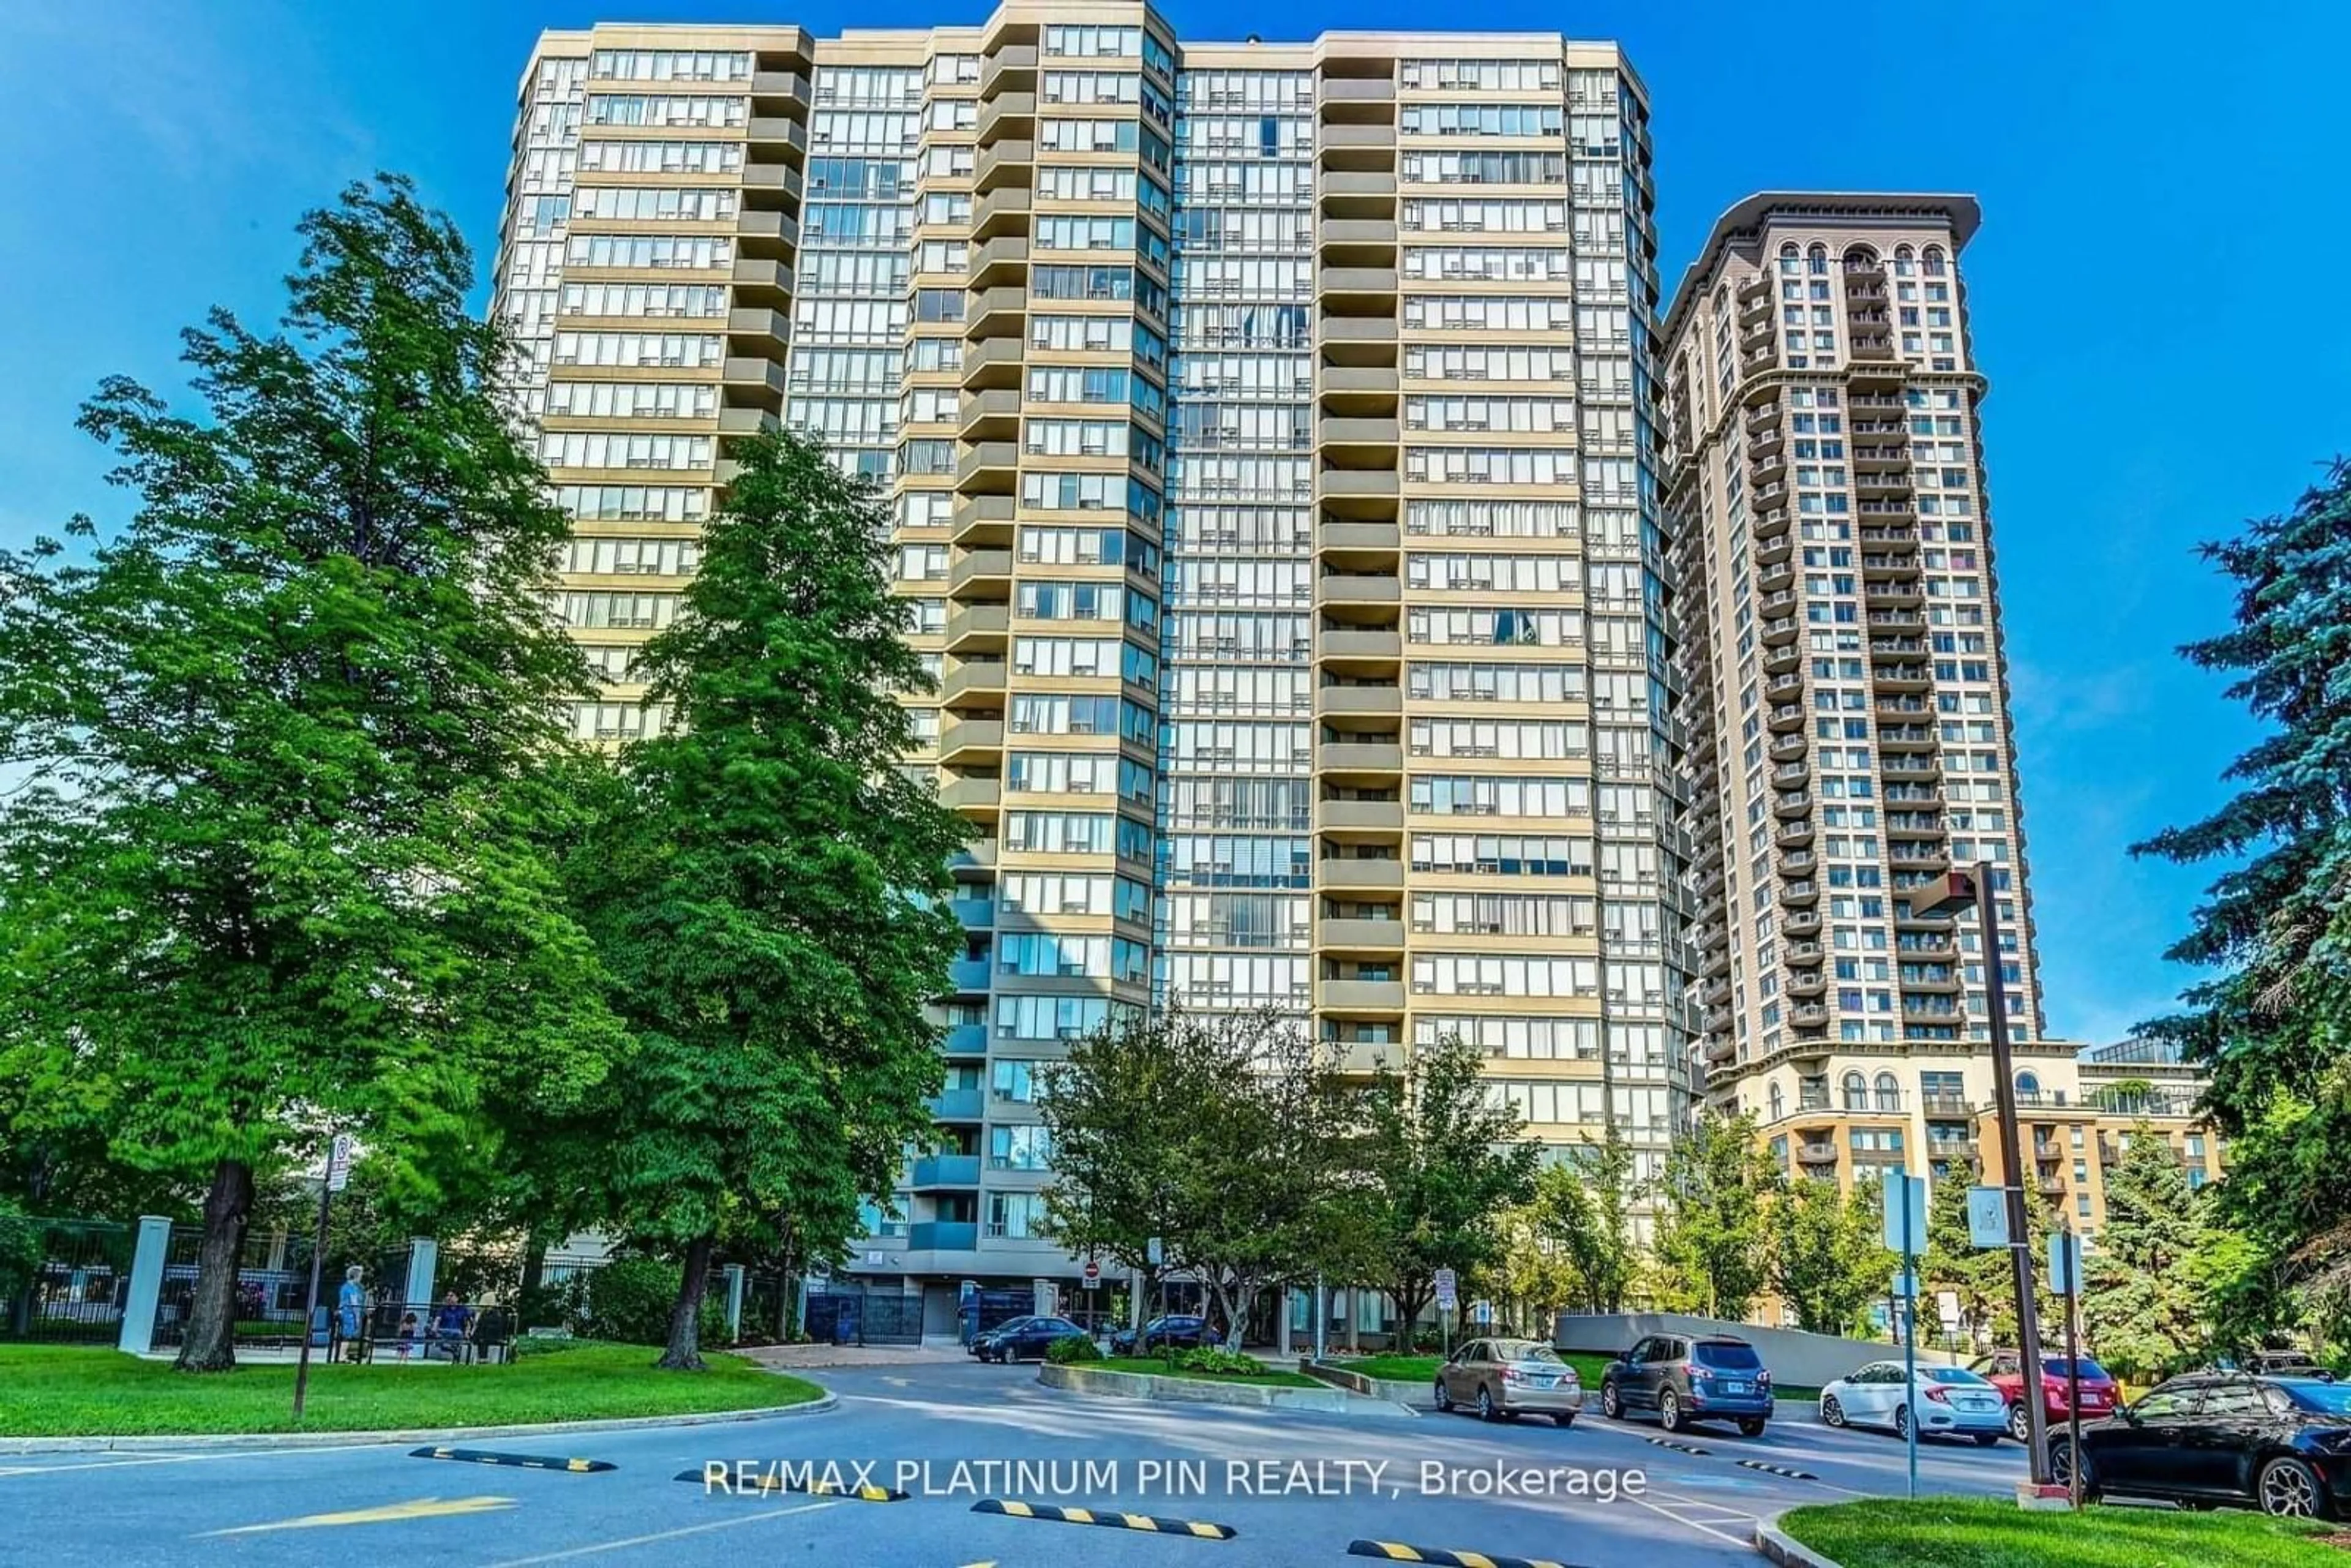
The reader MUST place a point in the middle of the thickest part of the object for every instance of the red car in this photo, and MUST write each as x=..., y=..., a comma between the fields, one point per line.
x=2004, y=1369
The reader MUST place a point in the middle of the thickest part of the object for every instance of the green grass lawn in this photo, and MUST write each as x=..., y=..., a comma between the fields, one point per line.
x=70, y=1391
x=1155, y=1367
x=1954, y=1532
x=1391, y=1368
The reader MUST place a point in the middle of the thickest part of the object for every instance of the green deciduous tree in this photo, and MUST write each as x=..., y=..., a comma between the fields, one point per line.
x=2144, y=1305
x=1439, y=1163
x=273, y=865
x=1713, y=1236
x=2273, y=1024
x=767, y=888
x=1829, y=1257
x=1584, y=1210
x=1218, y=1132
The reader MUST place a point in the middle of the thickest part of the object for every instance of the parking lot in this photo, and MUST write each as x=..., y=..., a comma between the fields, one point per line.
x=1292, y=1489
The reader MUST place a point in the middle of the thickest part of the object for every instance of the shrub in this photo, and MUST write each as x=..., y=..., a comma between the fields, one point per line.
x=1072, y=1347
x=1220, y=1362
x=627, y=1302
x=22, y=1245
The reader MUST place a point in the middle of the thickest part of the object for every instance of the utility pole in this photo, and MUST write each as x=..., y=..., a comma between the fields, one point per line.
x=1947, y=895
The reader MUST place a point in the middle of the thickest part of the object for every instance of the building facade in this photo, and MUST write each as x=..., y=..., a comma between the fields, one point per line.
x=1850, y=734
x=1267, y=428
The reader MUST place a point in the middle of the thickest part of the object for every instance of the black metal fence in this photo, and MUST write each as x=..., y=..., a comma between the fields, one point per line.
x=273, y=1282
x=76, y=1293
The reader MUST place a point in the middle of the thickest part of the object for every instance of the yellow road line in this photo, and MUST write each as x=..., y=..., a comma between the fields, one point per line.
x=421, y=1508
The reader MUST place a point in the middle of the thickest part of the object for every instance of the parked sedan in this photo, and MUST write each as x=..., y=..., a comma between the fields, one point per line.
x=2004, y=1370
x=985, y=1341
x=1028, y=1339
x=1949, y=1401
x=2279, y=1444
x=1506, y=1378
x=1177, y=1331
x=1684, y=1378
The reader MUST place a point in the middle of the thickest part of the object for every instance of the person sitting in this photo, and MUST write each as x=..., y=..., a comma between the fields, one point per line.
x=408, y=1333
x=451, y=1322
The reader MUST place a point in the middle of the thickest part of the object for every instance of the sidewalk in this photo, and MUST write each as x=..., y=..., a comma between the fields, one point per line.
x=795, y=1357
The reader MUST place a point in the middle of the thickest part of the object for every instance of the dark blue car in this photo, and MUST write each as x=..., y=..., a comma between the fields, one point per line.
x=1683, y=1378
x=1177, y=1331
x=1025, y=1339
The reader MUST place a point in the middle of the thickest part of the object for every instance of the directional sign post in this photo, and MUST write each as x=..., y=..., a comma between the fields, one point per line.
x=1905, y=1231
x=337, y=1175
x=1448, y=1297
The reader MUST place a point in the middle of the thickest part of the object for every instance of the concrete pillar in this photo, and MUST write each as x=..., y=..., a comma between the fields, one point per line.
x=1041, y=1295
x=1135, y=1301
x=423, y=1263
x=734, y=1301
x=138, y=1335
x=1355, y=1319
x=1288, y=1302
x=1321, y=1317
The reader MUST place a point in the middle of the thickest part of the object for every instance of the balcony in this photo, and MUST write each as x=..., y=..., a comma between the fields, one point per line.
x=957, y=1105
x=1007, y=64
x=994, y=312
x=1817, y=1154
x=1345, y=536
x=1358, y=231
x=1356, y=756
x=974, y=914
x=1374, y=329
x=1355, y=936
x=1350, y=183
x=967, y=976
x=1346, y=819
x=944, y=1170
x=1800, y=894
x=1365, y=282
x=1806, y=984
x=1006, y=114
x=992, y=362
x=975, y=795
x=988, y=466
x=1356, y=89
x=943, y=1235
x=1359, y=432
x=1360, y=995
x=981, y=569
x=1005, y=162
x=1360, y=647
x=980, y=520
x=761, y=331
x=975, y=860
x=979, y=628
x=1789, y=749
x=1781, y=628
x=1356, y=588
x=964, y=1039
x=1796, y=805
x=971, y=741
x=1384, y=702
x=999, y=261
x=1789, y=718
x=1368, y=381
x=1350, y=875
x=1000, y=212
x=1802, y=922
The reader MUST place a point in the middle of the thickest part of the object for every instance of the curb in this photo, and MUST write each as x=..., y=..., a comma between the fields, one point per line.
x=1784, y=1549
x=1412, y=1395
x=433, y=1434
x=1083, y=1380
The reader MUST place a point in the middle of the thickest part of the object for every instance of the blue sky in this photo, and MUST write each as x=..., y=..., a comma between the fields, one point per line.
x=2164, y=235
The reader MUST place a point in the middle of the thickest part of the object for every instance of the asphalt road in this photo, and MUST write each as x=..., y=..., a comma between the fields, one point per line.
x=1293, y=1490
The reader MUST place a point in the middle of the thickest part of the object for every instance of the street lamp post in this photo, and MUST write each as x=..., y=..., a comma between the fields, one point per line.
x=1948, y=895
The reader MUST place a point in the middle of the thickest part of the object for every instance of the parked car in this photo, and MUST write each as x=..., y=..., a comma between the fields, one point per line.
x=2279, y=1444
x=1026, y=1339
x=1686, y=1378
x=1180, y=1331
x=2004, y=1370
x=1503, y=1379
x=1947, y=1401
x=982, y=1342
x=2288, y=1364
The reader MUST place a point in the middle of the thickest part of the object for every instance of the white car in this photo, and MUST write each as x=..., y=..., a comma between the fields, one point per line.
x=1949, y=1401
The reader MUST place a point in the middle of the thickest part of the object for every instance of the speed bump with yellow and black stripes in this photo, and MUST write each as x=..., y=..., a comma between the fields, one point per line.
x=773, y=1481
x=1397, y=1552
x=1108, y=1518
x=519, y=1461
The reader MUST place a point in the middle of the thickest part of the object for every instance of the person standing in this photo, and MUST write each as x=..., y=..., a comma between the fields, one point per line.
x=350, y=1307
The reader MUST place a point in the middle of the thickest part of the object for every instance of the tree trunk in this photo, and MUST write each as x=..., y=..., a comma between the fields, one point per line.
x=683, y=1351
x=209, y=1343
x=1225, y=1310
